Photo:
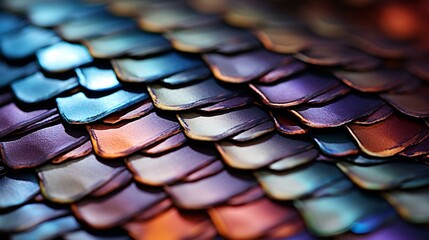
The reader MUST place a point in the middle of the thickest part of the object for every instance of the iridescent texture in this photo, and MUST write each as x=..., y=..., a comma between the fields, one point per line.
x=119, y=181
x=336, y=214
x=187, y=97
x=81, y=108
x=115, y=209
x=378, y=45
x=168, y=144
x=283, y=71
x=294, y=160
x=217, y=126
x=300, y=182
x=49, y=229
x=97, y=78
x=212, y=190
x=204, y=172
x=376, y=80
x=414, y=104
x=338, y=111
x=387, y=176
x=388, y=137
x=41, y=145
x=73, y=180
x=50, y=14
x=244, y=221
x=254, y=132
x=244, y=67
x=327, y=96
x=14, y=117
x=337, y=143
x=11, y=72
x=284, y=40
x=287, y=123
x=17, y=188
x=419, y=149
x=39, y=87
x=154, y=68
x=63, y=56
x=10, y=22
x=133, y=112
x=410, y=203
x=379, y=115
x=169, y=167
x=397, y=230
x=175, y=224
x=132, y=43
x=188, y=76
x=26, y=42
x=29, y=216
x=230, y=103
x=335, y=54
x=78, y=152
x=122, y=139
x=262, y=151
x=173, y=17
x=93, y=26
x=218, y=37
x=295, y=90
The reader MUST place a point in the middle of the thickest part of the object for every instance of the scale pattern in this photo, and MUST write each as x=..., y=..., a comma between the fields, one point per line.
x=200, y=119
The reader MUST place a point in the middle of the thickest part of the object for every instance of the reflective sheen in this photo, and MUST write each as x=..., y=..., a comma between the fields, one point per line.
x=414, y=104
x=388, y=137
x=39, y=87
x=376, y=80
x=216, y=126
x=254, y=132
x=337, y=143
x=212, y=190
x=97, y=79
x=117, y=208
x=221, y=38
x=133, y=43
x=93, y=26
x=17, y=188
x=41, y=145
x=26, y=42
x=120, y=140
x=81, y=108
x=50, y=229
x=338, y=112
x=295, y=90
x=244, y=221
x=154, y=68
x=29, y=216
x=261, y=151
x=244, y=67
x=74, y=179
x=63, y=56
x=169, y=167
x=410, y=204
x=300, y=182
x=187, y=97
x=15, y=117
x=336, y=214
x=294, y=160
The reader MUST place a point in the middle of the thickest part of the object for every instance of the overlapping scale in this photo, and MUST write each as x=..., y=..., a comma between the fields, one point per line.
x=74, y=179
x=154, y=68
x=238, y=119
x=122, y=139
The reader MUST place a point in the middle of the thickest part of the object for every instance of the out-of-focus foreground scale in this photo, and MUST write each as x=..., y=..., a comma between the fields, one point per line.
x=200, y=119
